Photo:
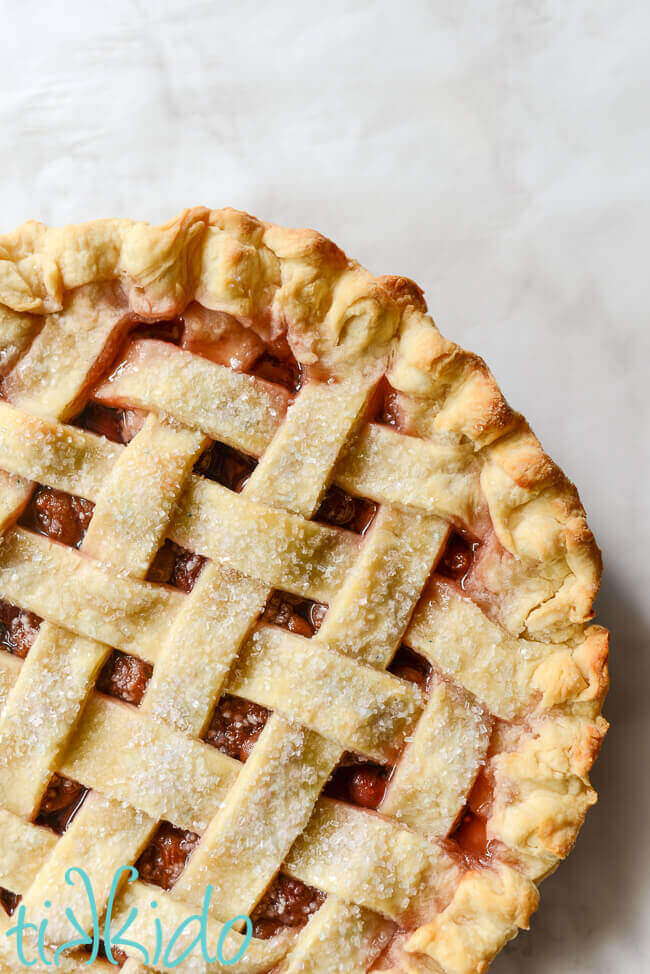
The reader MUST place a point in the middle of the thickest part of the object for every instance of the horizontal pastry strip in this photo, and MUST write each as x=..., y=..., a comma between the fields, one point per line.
x=282, y=549
x=453, y=633
x=67, y=588
x=135, y=759
x=369, y=860
x=363, y=709
x=392, y=468
x=245, y=412
x=233, y=407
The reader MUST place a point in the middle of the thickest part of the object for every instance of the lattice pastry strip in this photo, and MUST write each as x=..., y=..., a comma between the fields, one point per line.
x=363, y=710
x=41, y=711
x=340, y=937
x=430, y=784
x=506, y=674
x=231, y=407
x=116, y=747
x=64, y=587
x=268, y=805
x=371, y=861
x=205, y=636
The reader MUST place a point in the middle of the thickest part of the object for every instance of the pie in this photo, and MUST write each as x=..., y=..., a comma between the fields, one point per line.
x=292, y=604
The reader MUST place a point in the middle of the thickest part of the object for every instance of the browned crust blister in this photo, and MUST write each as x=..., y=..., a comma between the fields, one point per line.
x=538, y=575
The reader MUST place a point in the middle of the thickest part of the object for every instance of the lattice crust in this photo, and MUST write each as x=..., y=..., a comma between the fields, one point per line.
x=486, y=755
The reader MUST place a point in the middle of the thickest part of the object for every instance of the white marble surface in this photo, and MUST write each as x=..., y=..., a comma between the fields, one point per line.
x=494, y=150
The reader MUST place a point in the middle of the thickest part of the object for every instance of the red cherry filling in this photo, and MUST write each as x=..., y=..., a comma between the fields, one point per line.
x=176, y=566
x=411, y=666
x=8, y=900
x=358, y=782
x=344, y=511
x=164, y=331
x=62, y=800
x=125, y=677
x=235, y=726
x=471, y=837
x=118, y=425
x=165, y=857
x=225, y=465
x=384, y=406
x=118, y=955
x=298, y=615
x=282, y=369
x=457, y=558
x=220, y=337
x=482, y=794
x=288, y=903
x=57, y=515
x=18, y=629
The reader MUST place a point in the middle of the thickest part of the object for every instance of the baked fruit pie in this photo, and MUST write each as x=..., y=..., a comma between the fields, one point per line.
x=293, y=604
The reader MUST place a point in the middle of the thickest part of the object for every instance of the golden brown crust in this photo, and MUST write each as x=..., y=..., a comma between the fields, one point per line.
x=539, y=567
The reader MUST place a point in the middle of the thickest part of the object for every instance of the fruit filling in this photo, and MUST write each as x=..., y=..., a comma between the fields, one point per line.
x=358, y=782
x=470, y=835
x=411, y=666
x=225, y=465
x=288, y=903
x=344, y=511
x=279, y=365
x=62, y=800
x=294, y=613
x=118, y=425
x=60, y=516
x=164, y=331
x=125, y=677
x=8, y=900
x=471, y=838
x=165, y=858
x=235, y=726
x=119, y=957
x=176, y=566
x=457, y=558
x=220, y=337
x=18, y=629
